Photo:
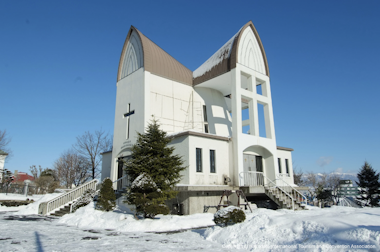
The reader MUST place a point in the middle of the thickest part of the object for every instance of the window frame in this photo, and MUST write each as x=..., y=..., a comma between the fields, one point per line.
x=287, y=166
x=205, y=119
x=212, y=162
x=198, y=159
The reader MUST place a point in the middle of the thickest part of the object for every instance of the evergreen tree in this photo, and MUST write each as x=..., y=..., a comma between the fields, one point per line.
x=107, y=197
x=152, y=156
x=368, y=186
x=147, y=197
x=322, y=194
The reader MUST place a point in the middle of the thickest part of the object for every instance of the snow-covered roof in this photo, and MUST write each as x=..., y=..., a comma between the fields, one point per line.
x=226, y=57
x=223, y=53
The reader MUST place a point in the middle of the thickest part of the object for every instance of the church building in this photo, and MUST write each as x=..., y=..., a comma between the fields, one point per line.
x=220, y=117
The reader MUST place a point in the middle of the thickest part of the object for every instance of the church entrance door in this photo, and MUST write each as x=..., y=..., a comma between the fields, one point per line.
x=253, y=164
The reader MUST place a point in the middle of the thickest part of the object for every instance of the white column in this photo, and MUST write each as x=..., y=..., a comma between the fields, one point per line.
x=236, y=123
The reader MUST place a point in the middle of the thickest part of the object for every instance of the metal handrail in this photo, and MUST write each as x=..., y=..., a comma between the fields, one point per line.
x=281, y=189
x=121, y=182
x=52, y=205
x=294, y=191
x=258, y=179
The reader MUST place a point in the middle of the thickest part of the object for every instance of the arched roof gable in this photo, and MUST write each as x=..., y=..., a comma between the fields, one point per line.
x=227, y=56
x=235, y=52
x=156, y=61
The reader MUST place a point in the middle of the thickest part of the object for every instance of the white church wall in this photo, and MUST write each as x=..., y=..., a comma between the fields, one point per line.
x=286, y=155
x=106, y=165
x=181, y=145
x=222, y=156
x=171, y=104
x=129, y=91
x=218, y=117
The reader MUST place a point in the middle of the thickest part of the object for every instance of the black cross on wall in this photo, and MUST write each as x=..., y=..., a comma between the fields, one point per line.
x=127, y=115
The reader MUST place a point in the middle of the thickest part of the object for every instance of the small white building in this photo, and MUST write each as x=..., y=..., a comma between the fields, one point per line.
x=205, y=111
x=3, y=156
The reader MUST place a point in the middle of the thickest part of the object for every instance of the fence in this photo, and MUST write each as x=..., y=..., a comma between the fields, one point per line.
x=17, y=188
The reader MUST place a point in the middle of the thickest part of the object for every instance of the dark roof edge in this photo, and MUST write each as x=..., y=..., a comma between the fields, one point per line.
x=105, y=152
x=200, y=134
x=284, y=148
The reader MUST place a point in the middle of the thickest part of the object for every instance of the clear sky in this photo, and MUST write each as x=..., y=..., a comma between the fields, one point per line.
x=59, y=60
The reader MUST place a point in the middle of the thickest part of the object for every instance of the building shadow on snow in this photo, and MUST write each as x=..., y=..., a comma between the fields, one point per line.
x=38, y=242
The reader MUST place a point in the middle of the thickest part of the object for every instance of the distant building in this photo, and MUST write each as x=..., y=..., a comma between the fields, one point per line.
x=21, y=177
x=347, y=189
x=3, y=156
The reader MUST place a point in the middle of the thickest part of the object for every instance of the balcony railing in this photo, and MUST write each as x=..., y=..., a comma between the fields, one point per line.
x=251, y=178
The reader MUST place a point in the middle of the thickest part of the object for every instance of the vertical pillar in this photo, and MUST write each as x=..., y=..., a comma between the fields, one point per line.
x=236, y=122
x=253, y=117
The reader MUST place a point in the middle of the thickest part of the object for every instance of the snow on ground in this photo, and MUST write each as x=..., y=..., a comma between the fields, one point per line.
x=328, y=229
x=32, y=208
x=87, y=217
x=14, y=196
x=43, y=235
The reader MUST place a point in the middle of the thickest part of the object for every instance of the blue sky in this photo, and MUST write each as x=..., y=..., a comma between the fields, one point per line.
x=59, y=60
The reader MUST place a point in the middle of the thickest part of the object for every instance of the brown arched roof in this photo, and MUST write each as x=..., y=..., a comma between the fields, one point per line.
x=157, y=61
x=229, y=63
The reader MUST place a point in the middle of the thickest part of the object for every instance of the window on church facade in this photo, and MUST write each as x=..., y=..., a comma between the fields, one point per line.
x=199, y=159
x=287, y=166
x=279, y=166
x=205, y=118
x=212, y=161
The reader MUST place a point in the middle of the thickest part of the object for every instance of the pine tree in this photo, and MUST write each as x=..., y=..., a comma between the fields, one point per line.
x=147, y=197
x=368, y=186
x=152, y=156
x=322, y=194
x=107, y=197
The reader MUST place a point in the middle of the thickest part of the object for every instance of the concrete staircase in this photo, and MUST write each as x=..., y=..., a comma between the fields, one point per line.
x=62, y=211
x=60, y=203
x=283, y=199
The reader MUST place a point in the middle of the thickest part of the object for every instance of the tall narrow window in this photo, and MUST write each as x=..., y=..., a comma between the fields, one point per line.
x=199, y=159
x=205, y=118
x=286, y=166
x=279, y=166
x=212, y=161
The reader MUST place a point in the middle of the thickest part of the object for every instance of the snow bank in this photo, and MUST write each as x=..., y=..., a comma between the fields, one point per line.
x=33, y=207
x=89, y=218
x=13, y=196
x=316, y=229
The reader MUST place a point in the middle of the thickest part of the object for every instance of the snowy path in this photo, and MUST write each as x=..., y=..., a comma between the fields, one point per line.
x=42, y=235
